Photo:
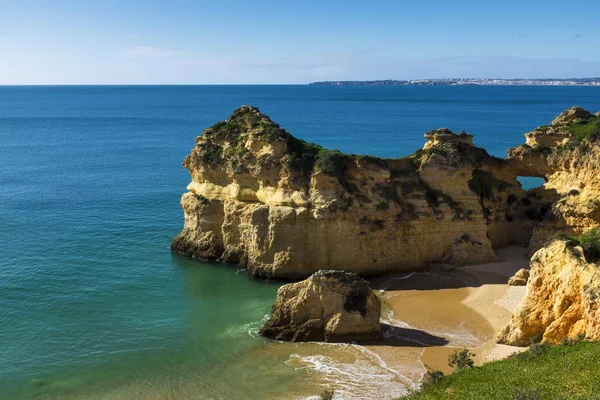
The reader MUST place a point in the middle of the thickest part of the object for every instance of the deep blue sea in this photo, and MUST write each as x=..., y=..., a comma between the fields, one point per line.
x=92, y=303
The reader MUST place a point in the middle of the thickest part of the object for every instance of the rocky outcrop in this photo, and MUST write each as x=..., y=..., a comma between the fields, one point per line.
x=571, y=115
x=285, y=208
x=562, y=292
x=566, y=154
x=563, y=296
x=331, y=306
x=520, y=278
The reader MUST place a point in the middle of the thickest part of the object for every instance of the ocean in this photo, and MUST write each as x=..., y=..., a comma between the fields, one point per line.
x=95, y=306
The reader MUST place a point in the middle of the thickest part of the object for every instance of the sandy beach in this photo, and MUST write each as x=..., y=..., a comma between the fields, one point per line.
x=450, y=308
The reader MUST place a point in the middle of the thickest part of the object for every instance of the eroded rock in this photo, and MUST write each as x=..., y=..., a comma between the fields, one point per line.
x=519, y=278
x=285, y=208
x=331, y=306
x=572, y=114
x=563, y=296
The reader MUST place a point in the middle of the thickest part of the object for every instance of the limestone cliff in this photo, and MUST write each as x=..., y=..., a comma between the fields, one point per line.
x=563, y=295
x=286, y=208
x=563, y=289
x=331, y=306
x=566, y=154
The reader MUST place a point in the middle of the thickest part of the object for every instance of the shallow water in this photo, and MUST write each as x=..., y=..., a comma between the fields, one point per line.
x=94, y=306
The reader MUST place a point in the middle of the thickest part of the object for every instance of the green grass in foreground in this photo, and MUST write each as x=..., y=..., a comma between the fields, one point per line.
x=568, y=371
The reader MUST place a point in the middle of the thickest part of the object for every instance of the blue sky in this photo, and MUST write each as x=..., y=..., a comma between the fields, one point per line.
x=294, y=41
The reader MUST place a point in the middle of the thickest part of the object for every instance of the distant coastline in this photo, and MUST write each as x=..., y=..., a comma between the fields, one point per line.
x=468, y=81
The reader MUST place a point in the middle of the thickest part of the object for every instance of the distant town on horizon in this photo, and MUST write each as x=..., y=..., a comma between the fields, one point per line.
x=469, y=81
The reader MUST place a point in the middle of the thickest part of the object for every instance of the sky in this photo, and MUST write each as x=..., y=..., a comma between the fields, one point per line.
x=294, y=41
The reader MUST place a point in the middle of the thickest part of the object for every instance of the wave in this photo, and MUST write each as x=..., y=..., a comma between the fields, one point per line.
x=366, y=376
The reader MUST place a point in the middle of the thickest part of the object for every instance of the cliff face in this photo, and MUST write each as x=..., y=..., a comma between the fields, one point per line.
x=563, y=295
x=566, y=154
x=563, y=289
x=285, y=208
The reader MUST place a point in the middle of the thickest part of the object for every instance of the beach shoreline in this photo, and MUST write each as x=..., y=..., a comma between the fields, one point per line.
x=463, y=307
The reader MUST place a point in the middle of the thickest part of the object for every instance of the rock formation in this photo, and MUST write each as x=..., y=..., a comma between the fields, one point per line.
x=285, y=208
x=563, y=289
x=519, y=278
x=331, y=306
x=566, y=154
x=563, y=296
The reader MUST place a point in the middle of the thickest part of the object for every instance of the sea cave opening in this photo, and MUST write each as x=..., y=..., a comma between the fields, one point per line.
x=530, y=182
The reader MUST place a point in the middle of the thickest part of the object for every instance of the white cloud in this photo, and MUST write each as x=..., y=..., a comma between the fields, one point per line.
x=149, y=51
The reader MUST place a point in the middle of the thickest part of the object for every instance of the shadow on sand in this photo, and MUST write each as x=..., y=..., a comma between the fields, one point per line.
x=447, y=277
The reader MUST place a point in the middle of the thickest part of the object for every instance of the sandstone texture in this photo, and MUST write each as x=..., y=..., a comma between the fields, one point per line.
x=566, y=154
x=331, y=306
x=285, y=208
x=563, y=295
x=562, y=291
x=519, y=278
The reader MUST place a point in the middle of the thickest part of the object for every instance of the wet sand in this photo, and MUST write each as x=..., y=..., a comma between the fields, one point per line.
x=426, y=316
x=450, y=308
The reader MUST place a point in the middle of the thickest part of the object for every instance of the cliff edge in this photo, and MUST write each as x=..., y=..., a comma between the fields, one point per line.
x=285, y=208
x=564, y=286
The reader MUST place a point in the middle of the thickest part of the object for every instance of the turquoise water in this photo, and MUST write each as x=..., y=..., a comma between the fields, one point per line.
x=93, y=303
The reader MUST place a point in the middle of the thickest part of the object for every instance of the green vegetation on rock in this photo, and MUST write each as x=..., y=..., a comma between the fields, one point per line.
x=301, y=156
x=332, y=163
x=247, y=118
x=580, y=131
x=590, y=242
x=584, y=131
x=568, y=371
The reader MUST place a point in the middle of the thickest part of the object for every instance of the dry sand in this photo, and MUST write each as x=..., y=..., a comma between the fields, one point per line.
x=451, y=308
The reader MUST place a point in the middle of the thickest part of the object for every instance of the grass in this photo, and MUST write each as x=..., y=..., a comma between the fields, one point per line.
x=581, y=132
x=589, y=241
x=585, y=130
x=567, y=371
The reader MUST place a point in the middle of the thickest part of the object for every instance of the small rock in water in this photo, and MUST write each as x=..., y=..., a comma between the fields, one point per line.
x=330, y=306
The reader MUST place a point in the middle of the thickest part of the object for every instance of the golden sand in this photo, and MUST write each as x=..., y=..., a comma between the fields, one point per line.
x=453, y=308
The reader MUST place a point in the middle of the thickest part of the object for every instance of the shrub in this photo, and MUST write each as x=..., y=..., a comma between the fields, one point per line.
x=590, y=242
x=572, y=341
x=327, y=394
x=561, y=372
x=461, y=359
x=432, y=376
x=211, y=153
x=301, y=156
x=332, y=163
x=584, y=130
x=536, y=349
